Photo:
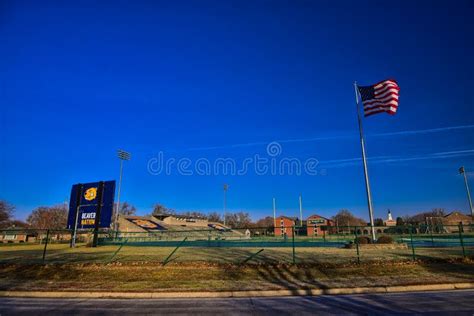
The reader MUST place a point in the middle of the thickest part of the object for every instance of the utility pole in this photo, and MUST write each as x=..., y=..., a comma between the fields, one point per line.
x=226, y=187
x=462, y=171
x=78, y=206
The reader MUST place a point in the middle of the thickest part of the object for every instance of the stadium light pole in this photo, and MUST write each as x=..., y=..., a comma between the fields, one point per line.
x=301, y=211
x=122, y=155
x=462, y=171
x=226, y=187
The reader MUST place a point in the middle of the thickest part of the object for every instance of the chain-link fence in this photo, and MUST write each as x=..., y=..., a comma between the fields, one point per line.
x=300, y=245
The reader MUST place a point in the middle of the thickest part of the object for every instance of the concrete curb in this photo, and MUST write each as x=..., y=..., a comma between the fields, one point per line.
x=228, y=294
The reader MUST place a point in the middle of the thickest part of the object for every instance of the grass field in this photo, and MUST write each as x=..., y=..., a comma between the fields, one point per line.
x=61, y=253
x=149, y=276
x=217, y=269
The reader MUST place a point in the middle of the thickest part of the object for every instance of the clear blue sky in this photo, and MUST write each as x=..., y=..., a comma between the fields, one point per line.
x=222, y=79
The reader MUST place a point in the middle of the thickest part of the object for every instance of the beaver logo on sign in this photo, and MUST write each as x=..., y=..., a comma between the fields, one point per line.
x=90, y=194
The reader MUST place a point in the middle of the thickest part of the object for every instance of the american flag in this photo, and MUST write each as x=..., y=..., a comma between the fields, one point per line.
x=380, y=97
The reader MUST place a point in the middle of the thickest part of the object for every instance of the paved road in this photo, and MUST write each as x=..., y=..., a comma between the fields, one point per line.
x=441, y=303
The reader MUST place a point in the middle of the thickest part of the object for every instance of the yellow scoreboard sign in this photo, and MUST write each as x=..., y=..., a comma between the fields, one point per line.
x=84, y=205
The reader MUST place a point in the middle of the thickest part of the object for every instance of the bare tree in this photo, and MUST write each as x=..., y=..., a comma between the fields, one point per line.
x=45, y=217
x=159, y=209
x=6, y=213
x=420, y=218
x=265, y=222
x=214, y=217
x=238, y=220
x=346, y=218
x=127, y=209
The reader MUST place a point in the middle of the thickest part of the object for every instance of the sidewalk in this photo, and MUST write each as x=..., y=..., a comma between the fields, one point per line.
x=226, y=294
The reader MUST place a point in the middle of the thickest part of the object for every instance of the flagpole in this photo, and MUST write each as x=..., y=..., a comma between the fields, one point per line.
x=463, y=172
x=364, y=160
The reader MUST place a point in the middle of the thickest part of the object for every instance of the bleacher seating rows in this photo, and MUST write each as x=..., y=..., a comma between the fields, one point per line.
x=174, y=232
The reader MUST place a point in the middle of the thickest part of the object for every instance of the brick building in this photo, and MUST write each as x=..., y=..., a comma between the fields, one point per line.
x=453, y=219
x=315, y=224
x=456, y=217
x=284, y=225
x=390, y=221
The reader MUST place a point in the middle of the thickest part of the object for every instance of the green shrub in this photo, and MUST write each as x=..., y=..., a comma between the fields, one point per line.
x=362, y=240
x=385, y=240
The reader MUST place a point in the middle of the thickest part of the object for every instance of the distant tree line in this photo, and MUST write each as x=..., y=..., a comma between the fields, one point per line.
x=55, y=217
x=45, y=217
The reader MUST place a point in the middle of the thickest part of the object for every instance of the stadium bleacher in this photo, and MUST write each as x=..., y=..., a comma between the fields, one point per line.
x=172, y=227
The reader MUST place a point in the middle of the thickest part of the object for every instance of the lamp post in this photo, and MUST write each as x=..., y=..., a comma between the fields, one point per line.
x=122, y=155
x=226, y=187
x=463, y=172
